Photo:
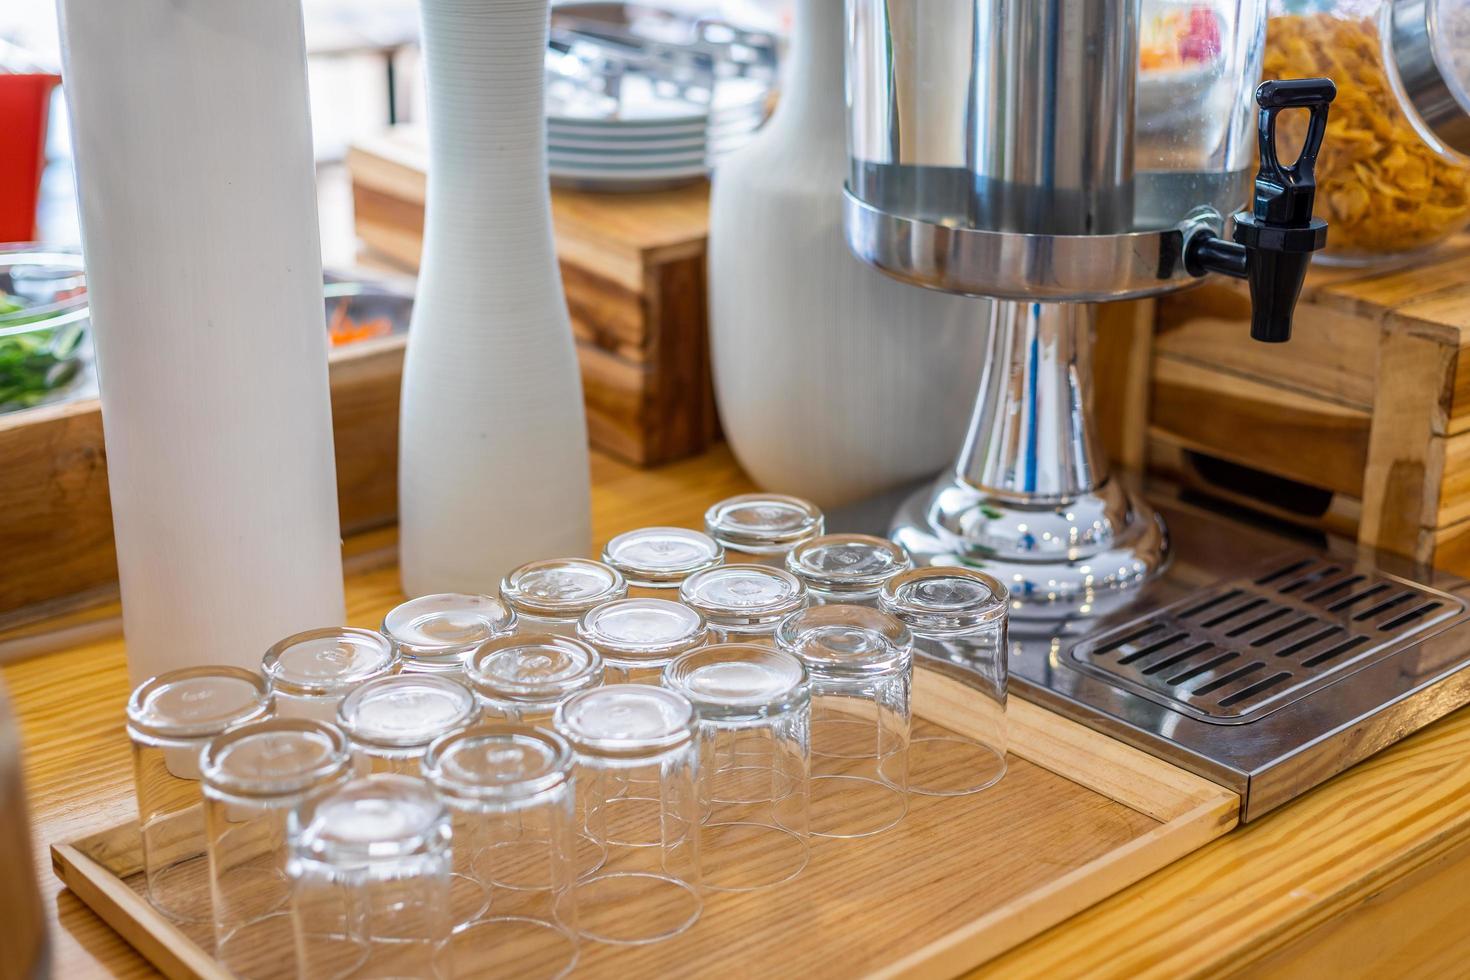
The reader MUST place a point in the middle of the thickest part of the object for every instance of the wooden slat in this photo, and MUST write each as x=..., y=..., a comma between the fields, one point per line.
x=159, y=941
x=1120, y=362
x=1180, y=462
x=1402, y=483
x=1373, y=293
x=1331, y=354
x=1104, y=765
x=1313, y=440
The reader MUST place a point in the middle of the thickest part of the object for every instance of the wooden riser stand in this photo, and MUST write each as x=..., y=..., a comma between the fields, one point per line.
x=1360, y=425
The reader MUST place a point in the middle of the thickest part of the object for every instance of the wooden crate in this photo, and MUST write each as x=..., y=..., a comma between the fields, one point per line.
x=1077, y=818
x=1359, y=425
x=56, y=525
x=633, y=266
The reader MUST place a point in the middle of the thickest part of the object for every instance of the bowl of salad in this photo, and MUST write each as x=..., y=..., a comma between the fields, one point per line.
x=44, y=316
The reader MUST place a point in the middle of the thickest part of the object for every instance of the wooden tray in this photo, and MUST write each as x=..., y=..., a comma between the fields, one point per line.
x=1077, y=817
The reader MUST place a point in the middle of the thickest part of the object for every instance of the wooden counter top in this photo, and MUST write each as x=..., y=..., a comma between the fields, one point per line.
x=1367, y=875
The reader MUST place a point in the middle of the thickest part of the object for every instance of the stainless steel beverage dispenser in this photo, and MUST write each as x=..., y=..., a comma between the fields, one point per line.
x=1056, y=154
x=1023, y=150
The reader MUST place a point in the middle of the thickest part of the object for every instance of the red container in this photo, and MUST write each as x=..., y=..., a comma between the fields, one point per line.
x=25, y=102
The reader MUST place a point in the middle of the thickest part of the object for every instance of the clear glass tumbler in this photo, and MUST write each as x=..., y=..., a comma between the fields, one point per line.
x=550, y=596
x=754, y=711
x=638, y=637
x=435, y=633
x=171, y=719
x=958, y=619
x=846, y=568
x=372, y=857
x=253, y=777
x=637, y=767
x=861, y=665
x=390, y=724
x=511, y=786
x=523, y=678
x=761, y=527
x=743, y=603
x=662, y=557
x=311, y=672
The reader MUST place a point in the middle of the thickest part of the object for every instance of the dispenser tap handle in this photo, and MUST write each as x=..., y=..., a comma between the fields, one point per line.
x=1285, y=194
x=1274, y=241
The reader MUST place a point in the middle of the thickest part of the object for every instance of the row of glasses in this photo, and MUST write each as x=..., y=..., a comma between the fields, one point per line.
x=749, y=710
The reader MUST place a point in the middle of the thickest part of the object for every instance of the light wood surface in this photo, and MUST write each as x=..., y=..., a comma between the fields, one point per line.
x=1367, y=843
x=958, y=881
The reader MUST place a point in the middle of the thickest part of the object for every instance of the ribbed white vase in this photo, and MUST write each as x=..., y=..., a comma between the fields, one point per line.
x=493, y=453
x=204, y=272
x=833, y=381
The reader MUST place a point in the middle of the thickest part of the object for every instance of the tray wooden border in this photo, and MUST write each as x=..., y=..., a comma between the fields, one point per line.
x=1191, y=812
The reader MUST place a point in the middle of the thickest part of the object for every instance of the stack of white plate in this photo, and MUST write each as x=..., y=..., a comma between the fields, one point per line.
x=621, y=121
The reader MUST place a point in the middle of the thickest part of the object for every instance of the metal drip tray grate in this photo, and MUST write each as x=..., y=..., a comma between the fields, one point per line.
x=1235, y=651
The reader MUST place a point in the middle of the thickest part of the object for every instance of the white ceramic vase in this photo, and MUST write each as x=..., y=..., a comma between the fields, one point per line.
x=833, y=381
x=493, y=467
x=204, y=272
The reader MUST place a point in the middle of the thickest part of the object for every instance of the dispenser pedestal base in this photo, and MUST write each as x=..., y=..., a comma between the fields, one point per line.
x=1082, y=558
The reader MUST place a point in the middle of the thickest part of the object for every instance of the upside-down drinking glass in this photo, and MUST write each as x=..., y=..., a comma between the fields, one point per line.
x=637, y=766
x=860, y=661
x=253, y=777
x=754, y=710
x=958, y=620
x=171, y=719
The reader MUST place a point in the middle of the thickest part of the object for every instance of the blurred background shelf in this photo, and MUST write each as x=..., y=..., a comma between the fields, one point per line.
x=633, y=266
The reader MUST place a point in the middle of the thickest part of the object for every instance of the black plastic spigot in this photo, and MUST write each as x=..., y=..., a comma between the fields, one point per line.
x=1274, y=241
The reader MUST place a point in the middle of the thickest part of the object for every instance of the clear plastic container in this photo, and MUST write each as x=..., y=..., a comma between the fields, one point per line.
x=369, y=871
x=171, y=719
x=958, y=618
x=311, y=672
x=743, y=603
x=761, y=527
x=523, y=678
x=551, y=596
x=662, y=557
x=846, y=568
x=1393, y=177
x=436, y=633
x=861, y=665
x=510, y=789
x=638, y=637
x=754, y=709
x=637, y=770
x=253, y=777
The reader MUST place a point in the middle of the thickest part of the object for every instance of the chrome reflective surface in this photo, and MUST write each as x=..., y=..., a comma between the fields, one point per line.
x=1030, y=499
x=1370, y=700
x=1016, y=266
x=1052, y=117
x=1425, y=46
